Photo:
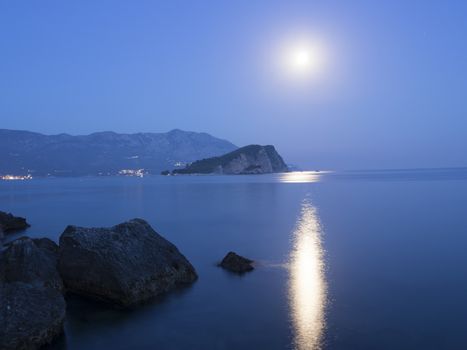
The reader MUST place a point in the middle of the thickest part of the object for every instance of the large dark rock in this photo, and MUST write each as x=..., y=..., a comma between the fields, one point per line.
x=10, y=223
x=124, y=264
x=32, y=261
x=30, y=315
x=47, y=244
x=236, y=263
x=32, y=308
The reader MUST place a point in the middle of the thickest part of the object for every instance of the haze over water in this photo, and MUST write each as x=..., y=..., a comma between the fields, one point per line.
x=367, y=260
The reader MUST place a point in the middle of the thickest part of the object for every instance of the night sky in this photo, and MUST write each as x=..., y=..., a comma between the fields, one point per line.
x=390, y=91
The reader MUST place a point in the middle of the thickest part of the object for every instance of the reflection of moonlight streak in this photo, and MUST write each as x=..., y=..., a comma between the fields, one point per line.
x=300, y=177
x=307, y=289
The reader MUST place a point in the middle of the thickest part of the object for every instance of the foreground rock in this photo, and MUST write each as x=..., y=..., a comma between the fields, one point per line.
x=236, y=263
x=30, y=315
x=32, y=308
x=10, y=223
x=32, y=261
x=124, y=264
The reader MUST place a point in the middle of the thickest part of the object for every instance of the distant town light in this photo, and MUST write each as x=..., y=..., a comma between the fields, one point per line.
x=132, y=172
x=15, y=177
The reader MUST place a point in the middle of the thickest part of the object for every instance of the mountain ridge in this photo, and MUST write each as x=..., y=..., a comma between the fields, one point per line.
x=103, y=153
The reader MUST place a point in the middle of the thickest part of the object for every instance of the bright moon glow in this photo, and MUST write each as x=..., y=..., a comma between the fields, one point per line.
x=302, y=59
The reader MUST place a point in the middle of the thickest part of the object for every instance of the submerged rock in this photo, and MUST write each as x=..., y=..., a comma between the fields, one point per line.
x=124, y=264
x=32, y=307
x=9, y=223
x=236, y=263
x=30, y=315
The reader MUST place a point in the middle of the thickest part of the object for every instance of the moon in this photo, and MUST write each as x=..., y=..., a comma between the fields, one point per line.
x=302, y=59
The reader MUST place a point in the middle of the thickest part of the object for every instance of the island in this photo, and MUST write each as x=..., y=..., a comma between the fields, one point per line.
x=252, y=159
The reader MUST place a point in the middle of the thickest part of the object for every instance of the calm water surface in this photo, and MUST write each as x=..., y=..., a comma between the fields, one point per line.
x=356, y=260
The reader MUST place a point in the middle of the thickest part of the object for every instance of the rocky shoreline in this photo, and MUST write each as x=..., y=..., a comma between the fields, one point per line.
x=122, y=265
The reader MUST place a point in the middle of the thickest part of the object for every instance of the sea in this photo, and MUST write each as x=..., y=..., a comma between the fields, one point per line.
x=343, y=260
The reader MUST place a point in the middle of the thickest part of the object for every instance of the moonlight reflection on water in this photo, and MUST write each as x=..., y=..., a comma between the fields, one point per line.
x=300, y=177
x=307, y=288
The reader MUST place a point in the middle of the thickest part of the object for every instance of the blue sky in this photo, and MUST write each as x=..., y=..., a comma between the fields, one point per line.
x=392, y=93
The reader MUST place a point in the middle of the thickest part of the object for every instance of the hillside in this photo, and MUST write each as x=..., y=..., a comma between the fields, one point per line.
x=252, y=159
x=104, y=153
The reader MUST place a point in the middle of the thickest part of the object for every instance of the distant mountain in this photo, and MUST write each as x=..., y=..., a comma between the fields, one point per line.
x=252, y=159
x=106, y=153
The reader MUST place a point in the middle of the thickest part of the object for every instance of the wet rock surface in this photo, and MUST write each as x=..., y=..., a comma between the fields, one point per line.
x=32, y=307
x=30, y=315
x=31, y=261
x=236, y=263
x=10, y=223
x=125, y=264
